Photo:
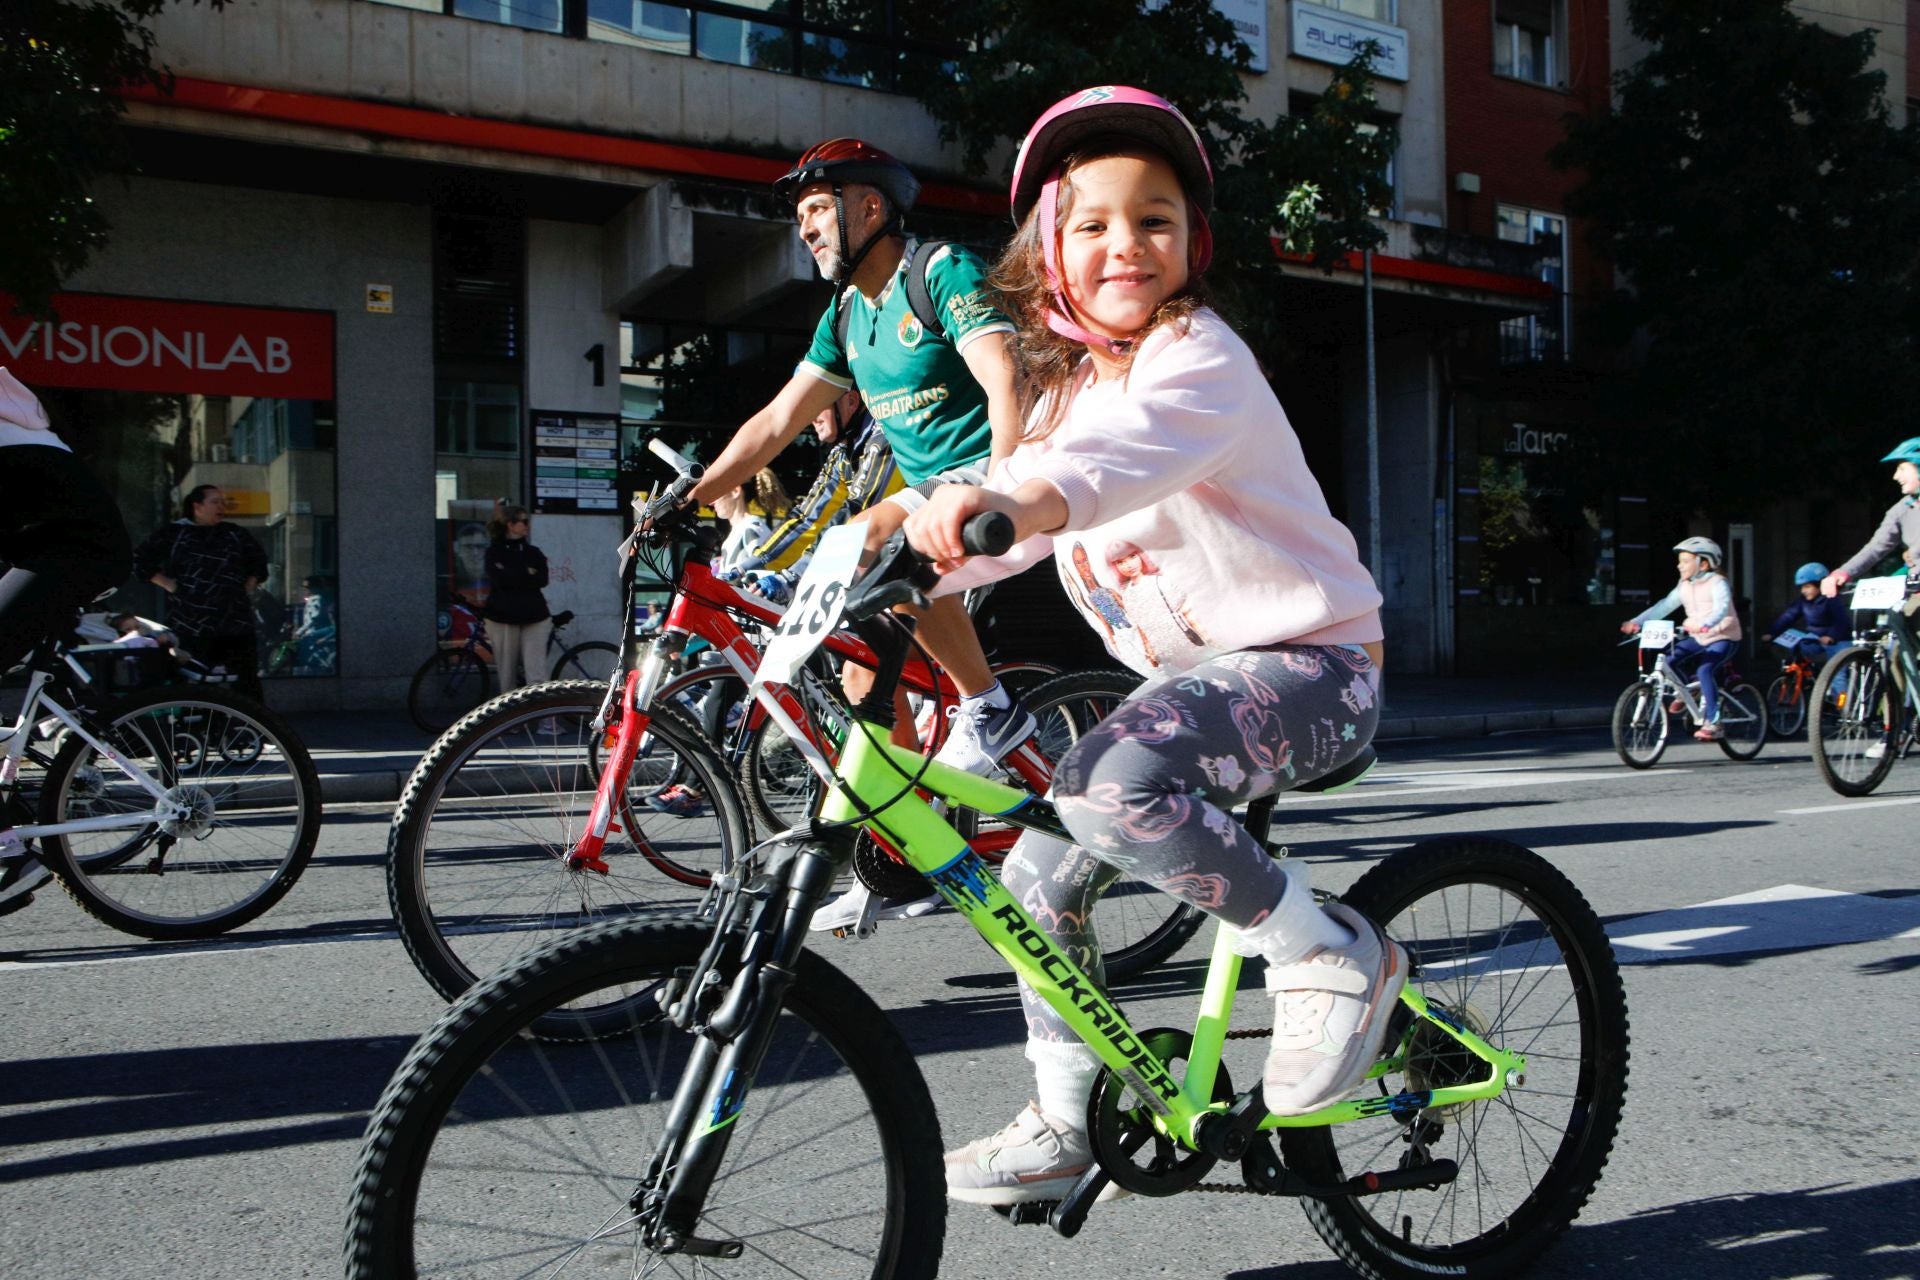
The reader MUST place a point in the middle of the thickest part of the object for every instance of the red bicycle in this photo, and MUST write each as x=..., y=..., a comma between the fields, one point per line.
x=532, y=815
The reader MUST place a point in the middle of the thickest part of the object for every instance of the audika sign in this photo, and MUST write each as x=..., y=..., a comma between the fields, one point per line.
x=1328, y=36
x=108, y=343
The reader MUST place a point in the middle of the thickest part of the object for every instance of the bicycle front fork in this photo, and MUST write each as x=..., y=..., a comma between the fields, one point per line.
x=733, y=1020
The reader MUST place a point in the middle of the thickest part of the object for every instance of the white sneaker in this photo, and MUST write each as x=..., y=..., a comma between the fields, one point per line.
x=843, y=912
x=1034, y=1158
x=1878, y=751
x=904, y=909
x=978, y=735
x=1331, y=1012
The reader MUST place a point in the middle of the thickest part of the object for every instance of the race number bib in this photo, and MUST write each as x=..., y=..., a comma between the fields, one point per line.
x=817, y=603
x=1656, y=635
x=1879, y=593
x=1791, y=640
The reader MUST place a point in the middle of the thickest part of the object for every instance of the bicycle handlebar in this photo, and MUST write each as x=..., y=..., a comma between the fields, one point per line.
x=666, y=453
x=901, y=575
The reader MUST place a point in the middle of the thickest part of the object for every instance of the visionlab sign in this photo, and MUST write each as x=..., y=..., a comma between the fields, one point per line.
x=153, y=344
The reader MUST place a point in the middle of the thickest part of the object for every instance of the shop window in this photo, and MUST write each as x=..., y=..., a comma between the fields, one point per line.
x=1386, y=11
x=1543, y=337
x=745, y=42
x=534, y=15
x=274, y=461
x=1529, y=40
x=665, y=28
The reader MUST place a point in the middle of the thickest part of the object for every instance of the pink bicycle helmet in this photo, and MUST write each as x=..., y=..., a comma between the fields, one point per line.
x=1107, y=111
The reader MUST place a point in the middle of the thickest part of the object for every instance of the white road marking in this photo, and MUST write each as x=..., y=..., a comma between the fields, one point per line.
x=1854, y=805
x=1787, y=917
x=1491, y=778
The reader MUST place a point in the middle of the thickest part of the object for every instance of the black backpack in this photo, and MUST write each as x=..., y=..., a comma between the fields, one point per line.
x=918, y=299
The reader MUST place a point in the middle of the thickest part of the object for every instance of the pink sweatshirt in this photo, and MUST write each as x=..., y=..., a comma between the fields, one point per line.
x=1194, y=528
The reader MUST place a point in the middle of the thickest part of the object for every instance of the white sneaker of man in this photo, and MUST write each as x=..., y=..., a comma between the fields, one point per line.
x=980, y=732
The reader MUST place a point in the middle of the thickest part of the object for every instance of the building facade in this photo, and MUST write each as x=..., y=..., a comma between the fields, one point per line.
x=385, y=263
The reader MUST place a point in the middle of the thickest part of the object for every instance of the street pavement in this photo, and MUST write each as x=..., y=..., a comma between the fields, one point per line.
x=194, y=1110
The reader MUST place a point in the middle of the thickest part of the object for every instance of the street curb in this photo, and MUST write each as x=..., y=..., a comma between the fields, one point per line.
x=1480, y=725
x=372, y=787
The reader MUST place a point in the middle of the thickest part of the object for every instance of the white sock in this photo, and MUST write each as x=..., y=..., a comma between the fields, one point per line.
x=1063, y=1076
x=1295, y=926
x=993, y=697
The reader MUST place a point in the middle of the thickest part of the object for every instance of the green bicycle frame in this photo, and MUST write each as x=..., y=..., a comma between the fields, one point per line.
x=876, y=788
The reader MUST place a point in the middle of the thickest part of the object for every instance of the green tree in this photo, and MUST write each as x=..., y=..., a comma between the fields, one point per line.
x=1765, y=211
x=60, y=64
x=1308, y=179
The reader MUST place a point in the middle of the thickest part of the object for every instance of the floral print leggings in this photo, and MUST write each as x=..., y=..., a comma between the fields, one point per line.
x=1149, y=792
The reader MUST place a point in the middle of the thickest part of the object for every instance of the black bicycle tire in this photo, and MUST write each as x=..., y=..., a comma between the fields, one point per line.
x=74, y=872
x=1777, y=707
x=1750, y=700
x=579, y=671
x=1375, y=1250
x=407, y=892
x=1623, y=711
x=437, y=662
x=753, y=774
x=408, y=1116
x=1870, y=660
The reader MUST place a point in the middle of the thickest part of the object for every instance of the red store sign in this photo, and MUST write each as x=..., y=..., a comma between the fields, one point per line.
x=154, y=344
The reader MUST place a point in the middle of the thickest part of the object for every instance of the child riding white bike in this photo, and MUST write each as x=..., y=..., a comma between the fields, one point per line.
x=1712, y=625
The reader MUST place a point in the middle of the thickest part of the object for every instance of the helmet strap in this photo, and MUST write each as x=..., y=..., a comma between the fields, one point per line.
x=849, y=258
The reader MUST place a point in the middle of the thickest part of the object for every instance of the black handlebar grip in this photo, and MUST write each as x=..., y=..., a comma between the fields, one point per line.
x=988, y=534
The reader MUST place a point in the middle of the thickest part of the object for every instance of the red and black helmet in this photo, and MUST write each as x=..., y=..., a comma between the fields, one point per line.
x=844, y=160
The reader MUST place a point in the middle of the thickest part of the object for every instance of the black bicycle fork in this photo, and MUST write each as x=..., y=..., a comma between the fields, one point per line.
x=733, y=1022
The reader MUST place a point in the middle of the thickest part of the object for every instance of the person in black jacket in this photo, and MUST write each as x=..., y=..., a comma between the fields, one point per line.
x=209, y=568
x=518, y=621
x=61, y=537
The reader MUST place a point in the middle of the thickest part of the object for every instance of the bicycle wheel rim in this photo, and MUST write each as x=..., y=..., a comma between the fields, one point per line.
x=1743, y=722
x=255, y=818
x=449, y=686
x=1854, y=720
x=1640, y=724
x=495, y=1153
x=481, y=872
x=1505, y=945
x=594, y=660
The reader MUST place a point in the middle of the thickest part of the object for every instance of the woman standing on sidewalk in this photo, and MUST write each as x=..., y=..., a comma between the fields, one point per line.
x=518, y=620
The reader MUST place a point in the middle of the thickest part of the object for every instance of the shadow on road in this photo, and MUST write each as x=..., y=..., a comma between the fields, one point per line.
x=261, y=1096
x=1861, y=1233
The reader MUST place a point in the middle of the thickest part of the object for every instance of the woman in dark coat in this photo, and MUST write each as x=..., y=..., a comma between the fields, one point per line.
x=518, y=621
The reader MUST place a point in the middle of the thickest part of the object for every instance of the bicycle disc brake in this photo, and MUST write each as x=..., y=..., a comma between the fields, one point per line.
x=1135, y=1154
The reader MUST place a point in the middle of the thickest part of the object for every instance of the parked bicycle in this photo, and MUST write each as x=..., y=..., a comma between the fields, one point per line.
x=1869, y=694
x=1642, y=713
x=181, y=811
x=736, y=1104
x=460, y=676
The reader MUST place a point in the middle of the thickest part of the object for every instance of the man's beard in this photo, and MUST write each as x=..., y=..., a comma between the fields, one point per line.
x=833, y=266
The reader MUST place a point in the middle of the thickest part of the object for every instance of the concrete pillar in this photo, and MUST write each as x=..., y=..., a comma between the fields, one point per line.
x=566, y=316
x=648, y=244
x=772, y=264
x=1409, y=390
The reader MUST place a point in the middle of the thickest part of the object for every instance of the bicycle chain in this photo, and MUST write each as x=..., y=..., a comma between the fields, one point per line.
x=1238, y=1188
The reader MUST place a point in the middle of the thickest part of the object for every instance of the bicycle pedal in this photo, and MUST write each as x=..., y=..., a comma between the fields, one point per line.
x=1028, y=1213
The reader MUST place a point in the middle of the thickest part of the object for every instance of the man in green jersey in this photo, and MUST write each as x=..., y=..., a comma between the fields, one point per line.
x=945, y=398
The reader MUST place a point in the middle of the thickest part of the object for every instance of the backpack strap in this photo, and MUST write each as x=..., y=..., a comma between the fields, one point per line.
x=919, y=298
